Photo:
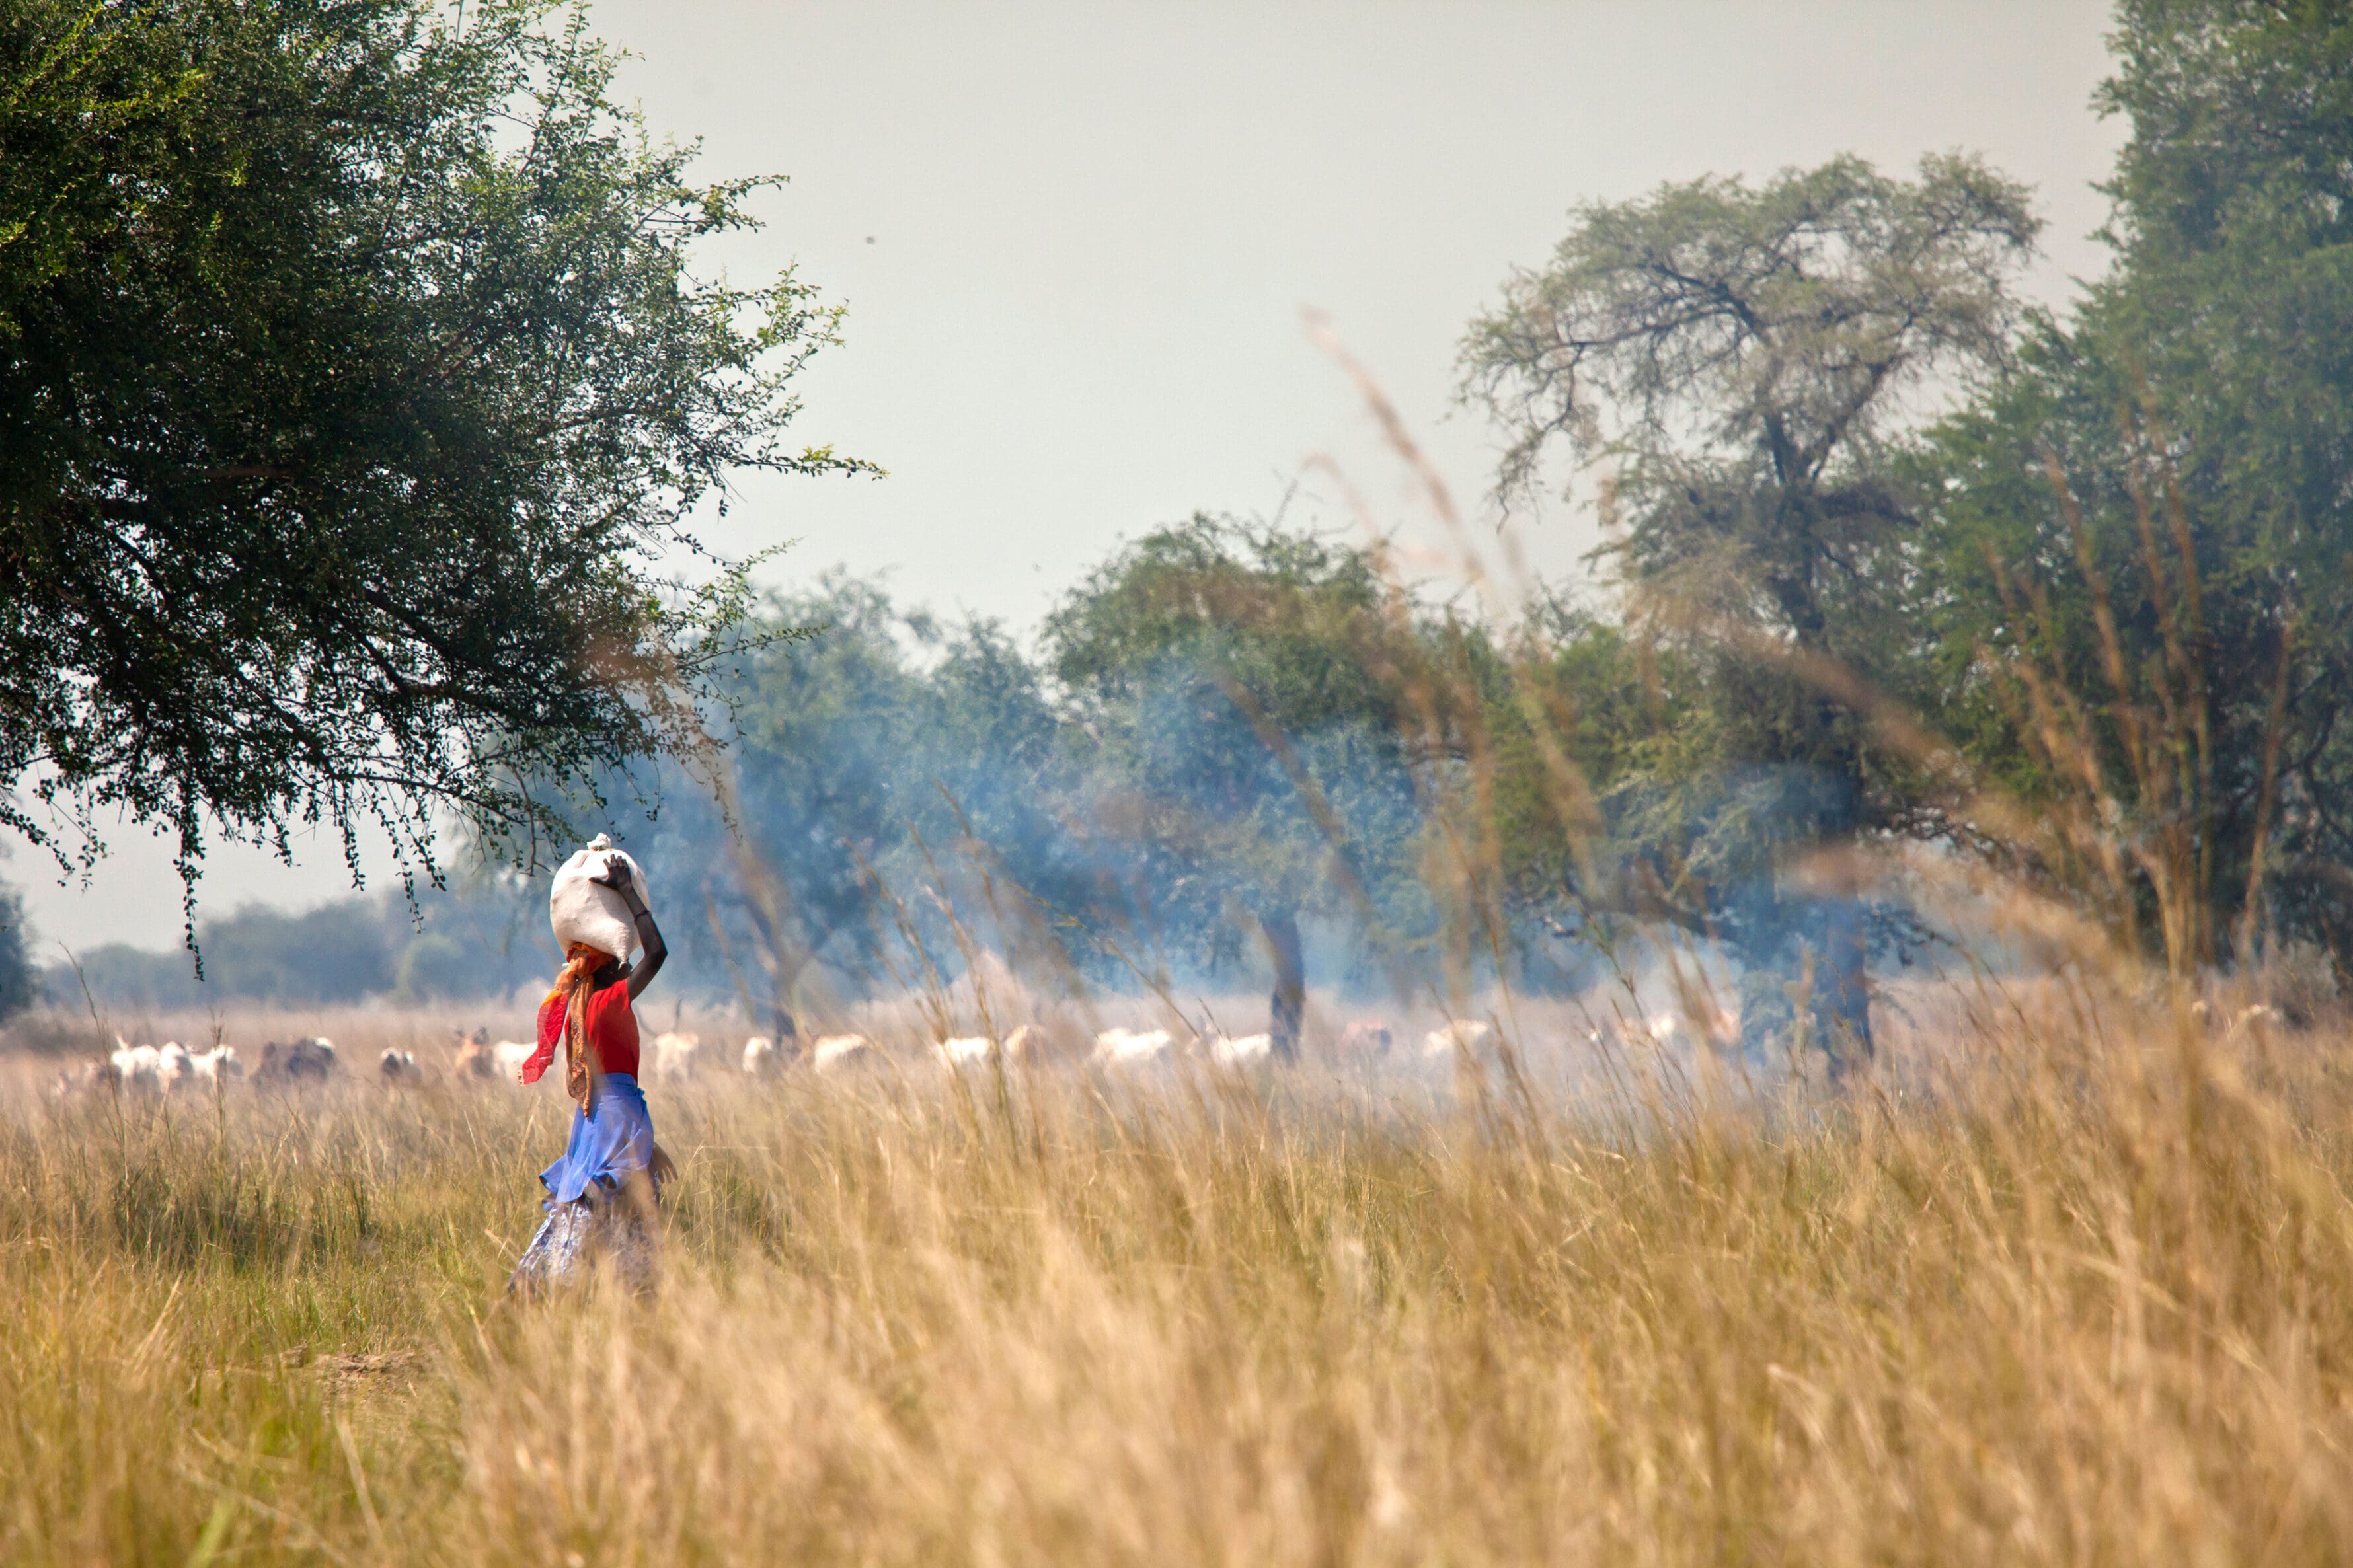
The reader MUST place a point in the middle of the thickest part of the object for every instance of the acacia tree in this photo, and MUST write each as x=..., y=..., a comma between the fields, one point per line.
x=355, y=380
x=1251, y=753
x=868, y=759
x=1737, y=358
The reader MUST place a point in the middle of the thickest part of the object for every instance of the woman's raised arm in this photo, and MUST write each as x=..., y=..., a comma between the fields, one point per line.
x=617, y=876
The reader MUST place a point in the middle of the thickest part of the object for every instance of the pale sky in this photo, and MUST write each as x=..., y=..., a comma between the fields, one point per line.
x=1076, y=242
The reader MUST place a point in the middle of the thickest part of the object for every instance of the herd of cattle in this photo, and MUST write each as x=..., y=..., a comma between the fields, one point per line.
x=172, y=1068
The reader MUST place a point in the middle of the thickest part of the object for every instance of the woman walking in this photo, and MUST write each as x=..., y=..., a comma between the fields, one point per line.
x=601, y=1195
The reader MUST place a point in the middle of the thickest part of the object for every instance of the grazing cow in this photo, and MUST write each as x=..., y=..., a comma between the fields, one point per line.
x=216, y=1067
x=397, y=1067
x=1239, y=1053
x=312, y=1061
x=677, y=1057
x=1465, y=1035
x=172, y=1068
x=474, y=1059
x=509, y=1057
x=970, y=1049
x=965, y=1050
x=135, y=1066
x=761, y=1058
x=1367, y=1038
x=1131, y=1047
x=837, y=1051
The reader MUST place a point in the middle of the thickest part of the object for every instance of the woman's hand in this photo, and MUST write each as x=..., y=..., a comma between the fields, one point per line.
x=617, y=876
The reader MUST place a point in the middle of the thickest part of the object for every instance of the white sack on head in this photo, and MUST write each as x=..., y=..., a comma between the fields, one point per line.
x=582, y=909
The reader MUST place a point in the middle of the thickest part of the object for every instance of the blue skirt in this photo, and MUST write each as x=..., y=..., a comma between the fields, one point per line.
x=605, y=1149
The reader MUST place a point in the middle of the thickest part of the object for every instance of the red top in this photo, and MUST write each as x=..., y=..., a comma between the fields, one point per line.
x=612, y=1028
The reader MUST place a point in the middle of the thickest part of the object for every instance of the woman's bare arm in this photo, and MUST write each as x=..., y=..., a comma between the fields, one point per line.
x=617, y=876
x=650, y=964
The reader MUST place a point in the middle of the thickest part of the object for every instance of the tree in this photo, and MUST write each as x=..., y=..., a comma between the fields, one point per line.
x=484, y=937
x=1738, y=358
x=356, y=379
x=1577, y=719
x=872, y=754
x=2152, y=522
x=1250, y=750
x=20, y=982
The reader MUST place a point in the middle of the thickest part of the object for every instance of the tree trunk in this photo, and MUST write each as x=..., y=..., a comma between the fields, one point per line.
x=1842, y=995
x=1841, y=998
x=1288, y=1005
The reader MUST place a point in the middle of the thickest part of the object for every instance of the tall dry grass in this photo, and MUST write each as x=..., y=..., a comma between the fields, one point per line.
x=2065, y=1276
x=2080, y=1293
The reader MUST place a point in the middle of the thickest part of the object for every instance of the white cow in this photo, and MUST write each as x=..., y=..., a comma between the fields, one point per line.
x=510, y=1055
x=1131, y=1047
x=135, y=1066
x=969, y=1050
x=216, y=1067
x=1463, y=1034
x=1239, y=1053
x=836, y=1051
x=761, y=1058
x=171, y=1069
x=965, y=1050
x=677, y=1057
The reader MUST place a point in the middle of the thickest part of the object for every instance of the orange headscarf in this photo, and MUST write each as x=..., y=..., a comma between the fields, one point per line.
x=574, y=983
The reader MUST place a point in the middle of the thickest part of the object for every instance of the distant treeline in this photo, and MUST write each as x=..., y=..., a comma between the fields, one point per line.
x=346, y=951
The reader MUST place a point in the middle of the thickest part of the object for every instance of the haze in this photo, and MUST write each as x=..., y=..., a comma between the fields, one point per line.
x=1076, y=243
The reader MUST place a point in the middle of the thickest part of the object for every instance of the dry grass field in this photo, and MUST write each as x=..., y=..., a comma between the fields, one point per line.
x=2068, y=1280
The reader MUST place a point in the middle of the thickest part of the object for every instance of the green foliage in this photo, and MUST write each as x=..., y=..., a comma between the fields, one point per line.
x=1243, y=687
x=2242, y=115
x=1739, y=352
x=2139, y=573
x=333, y=951
x=20, y=982
x=1740, y=360
x=355, y=375
x=872, y=754
x=2118, y=581
x=1580, y=718
x=349, y=422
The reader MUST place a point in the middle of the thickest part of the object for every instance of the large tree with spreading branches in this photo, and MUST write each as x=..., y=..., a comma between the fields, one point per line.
x=358, y=391
x=1738, y=362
